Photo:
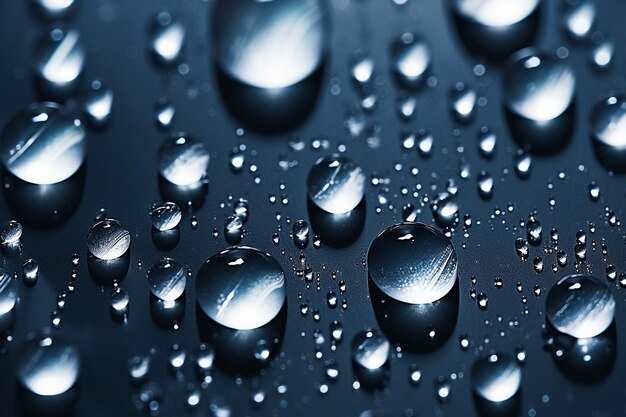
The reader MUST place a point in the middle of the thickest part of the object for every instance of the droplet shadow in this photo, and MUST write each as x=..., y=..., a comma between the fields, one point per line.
x=337, y=230
x=190, y=197
x=508, y=408
x=106, y=272
x=30, y=404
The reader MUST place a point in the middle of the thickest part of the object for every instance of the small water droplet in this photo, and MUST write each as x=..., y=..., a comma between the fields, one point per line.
x=167, y=279
x=336, y=184
x=370, y=349
x=496, y=378
x=167, y=38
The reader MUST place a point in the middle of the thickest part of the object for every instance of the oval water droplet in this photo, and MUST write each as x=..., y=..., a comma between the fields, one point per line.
x=167, y=279
x=496, y=378
x=411, y=58
x=165, y=216
x=336, y=184
x=462, y=102
x=270, y=44
x=241, y=288
x=108, y=239
x=43, y=144
x=47, y=366
x=412, y=263
x=168, y=38
x=183, y=160
x=60, y=60
x=99, y=104
x=370, y=349
x=580, y=306
x=10, y=232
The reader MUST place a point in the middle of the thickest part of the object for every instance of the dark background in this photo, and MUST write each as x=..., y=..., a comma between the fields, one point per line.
x=121, y=176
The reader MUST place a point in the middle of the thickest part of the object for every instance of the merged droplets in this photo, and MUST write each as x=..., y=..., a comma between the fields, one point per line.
x=495, y=13
x=608, y=125
x=8, y=292
x=580, y=306
x=241, y=288
x=412, y=263
x=496, y=378
x=370, y=349
x=183, y=160
x=47, y=366
x=43, y=144
x=61, y=59
x=411, y=58
x=336, y=184
x=270, y=44
x=538, y=86
x=167, y=279
x=168, y=38
x=108, y=239
x=165, y=216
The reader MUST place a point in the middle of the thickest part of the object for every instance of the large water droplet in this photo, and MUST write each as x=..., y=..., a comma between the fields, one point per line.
x=241, y=288
x=61, y=59
x=47, y=366
x=270, y=44
x=183, y=160
x=108, y=239
x=168, y=38
x=167, y=279
x=580, y=306
x=538, y=86
x=412, y=263
x=165, y=216
x=608, y=124
x=496, y=378
x=336, y=184
x=43, y=144
x=370, y=349
x=411, y=58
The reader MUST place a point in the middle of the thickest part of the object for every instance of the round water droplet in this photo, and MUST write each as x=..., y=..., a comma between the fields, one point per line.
x=43, y=144
x=487, y=142
x=580, y=306
x=165, y=216
x=167, y=279
x=61, y=59
x=241, y=288
x=47, y=366
x=495, y=13
x=496, y=378
x=270, y=44
x=108, y=239
x=445, y=209
x=608, y=125
x=119, y=300
x=462, y=102
x=362, y=67
x=602, y=54
x=538, y=86
x=183, y=160
x=164, y=113
x=412, y=263
x=8, y=292
x=485, y=185
x=522, y=163
x=336, y=184
x=205, y=356
x=370, y=349
x=168, y=38
x=99, y=104
x=411, y=58
x=10, y=232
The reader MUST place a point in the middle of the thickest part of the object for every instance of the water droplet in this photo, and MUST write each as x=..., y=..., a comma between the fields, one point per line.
x=119, y=300
x=580, y=306
x=43, y=144
x=496, y=378
x=301, y=234
x=270, y=44
x=8, y=292
x=108, y=239
x=183, y=160
x=534, y=231
x=167, y=279
x=336, y=184
x=47, y=366
x=424, y=143
x=362, y=67
x=30, y=272
x=10, y=232
x=241, y=288
x=138, y=367
x=164, y=113
x=485, y=185
x=165, y=216
x=411, y=58
x=55, y=9
x=462, y=102
x=482, y=300
x=99, y=104
x=602, y=54
x=241, y=209
x=579, y=19
x=176, y=357
x=262, y=351
x=412, y=263
x=521, y=248
x=608, y=128
x=496, y=14
x=445, y=209
x=538, y=86
x=168, y=38
x=205, y=356
x=443, y=389
x=487, y=142
x=522, y=162
x=370, y=349
x=61, y=59
x=415, y=375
